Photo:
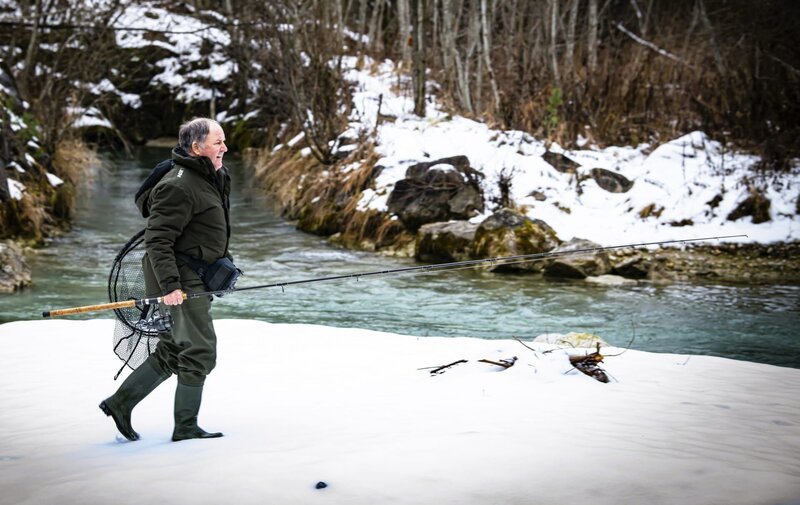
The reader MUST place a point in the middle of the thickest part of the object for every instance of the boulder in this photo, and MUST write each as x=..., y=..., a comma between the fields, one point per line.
x=579, y=265
x=633, y=267
x=611, y=181
x=442, y=190
x=560, y=162
x=610, y=280
x=14, y=272
x=510, y=233
x=442, y=242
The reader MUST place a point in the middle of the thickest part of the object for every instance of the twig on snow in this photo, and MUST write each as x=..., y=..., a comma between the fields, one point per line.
x=505, y=363
x=442, y=368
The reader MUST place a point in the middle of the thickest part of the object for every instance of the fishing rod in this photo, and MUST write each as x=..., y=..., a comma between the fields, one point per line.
x=456, y=265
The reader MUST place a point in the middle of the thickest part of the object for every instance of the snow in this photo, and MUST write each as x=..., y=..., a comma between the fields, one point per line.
x=15, y=189
x=301, y=404
x=54, y=180
x=681, y=176
x=88, y=116
x=105, y=86
x=183, y=37
x=30, y=160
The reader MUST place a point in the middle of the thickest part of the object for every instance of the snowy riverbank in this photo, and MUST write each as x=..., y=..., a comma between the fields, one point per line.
x=302, y=404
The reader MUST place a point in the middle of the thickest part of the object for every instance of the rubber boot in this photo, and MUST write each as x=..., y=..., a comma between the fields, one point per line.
x=140, y=383
x=187, y=405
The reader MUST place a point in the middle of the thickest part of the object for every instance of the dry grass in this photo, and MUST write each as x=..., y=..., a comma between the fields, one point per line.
x=323, y=199
x=45, y=209
x=74, y=160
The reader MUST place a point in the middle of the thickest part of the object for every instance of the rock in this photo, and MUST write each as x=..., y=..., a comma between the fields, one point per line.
x=14, y=273
x=441, y=242
x=635, y=267
x=578, y=265
x=611, y=181
x=755, y=205
x=572, y=340
x=510, y=233
x=560, y=162
x=538, y=196
x=610, y=280
x=436, y=191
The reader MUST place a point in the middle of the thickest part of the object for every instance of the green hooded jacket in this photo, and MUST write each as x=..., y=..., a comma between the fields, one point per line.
x=187, y=212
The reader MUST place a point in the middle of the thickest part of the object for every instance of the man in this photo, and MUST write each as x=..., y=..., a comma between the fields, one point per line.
x=187, y=220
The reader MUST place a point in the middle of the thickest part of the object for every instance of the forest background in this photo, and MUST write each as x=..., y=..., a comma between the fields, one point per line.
x=606, y=72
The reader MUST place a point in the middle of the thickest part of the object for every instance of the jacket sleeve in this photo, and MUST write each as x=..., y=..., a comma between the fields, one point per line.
x=170, y=212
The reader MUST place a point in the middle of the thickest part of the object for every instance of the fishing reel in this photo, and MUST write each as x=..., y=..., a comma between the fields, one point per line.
x=156, y=322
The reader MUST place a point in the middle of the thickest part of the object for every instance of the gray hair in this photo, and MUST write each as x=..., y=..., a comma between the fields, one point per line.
x=194, y=130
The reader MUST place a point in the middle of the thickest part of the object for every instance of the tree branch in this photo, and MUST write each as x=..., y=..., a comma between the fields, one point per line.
x=650, y=45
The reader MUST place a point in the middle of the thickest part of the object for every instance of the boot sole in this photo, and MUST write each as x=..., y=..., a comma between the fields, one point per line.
x=191, y=437
x=133, y=436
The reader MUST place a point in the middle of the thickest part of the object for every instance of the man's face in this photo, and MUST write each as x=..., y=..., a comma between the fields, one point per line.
x=213, y=147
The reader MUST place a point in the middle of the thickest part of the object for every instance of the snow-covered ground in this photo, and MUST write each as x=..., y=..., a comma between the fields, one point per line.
x=306, y=404
x=692, y=179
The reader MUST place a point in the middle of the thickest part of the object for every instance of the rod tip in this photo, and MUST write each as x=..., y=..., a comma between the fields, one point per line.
x=46, y=314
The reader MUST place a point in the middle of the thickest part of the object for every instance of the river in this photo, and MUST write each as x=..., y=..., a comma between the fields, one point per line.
x=756, y=323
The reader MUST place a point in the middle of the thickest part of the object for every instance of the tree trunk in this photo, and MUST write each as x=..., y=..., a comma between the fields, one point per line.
x=375, y=33
x=569, y=57
x=403, y=22
x=473, y=39
x=455, y=68
x=701, y=7
x=487, y=57
x=362, y=20
x=554, y=42
x=592, y=38
x=418, y=70
x=30, y=55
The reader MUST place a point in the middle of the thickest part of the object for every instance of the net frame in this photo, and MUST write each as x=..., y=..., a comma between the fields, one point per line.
x=136, y=330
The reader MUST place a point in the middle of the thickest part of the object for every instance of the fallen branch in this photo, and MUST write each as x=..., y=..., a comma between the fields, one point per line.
x=440, y=369
x=505, y=363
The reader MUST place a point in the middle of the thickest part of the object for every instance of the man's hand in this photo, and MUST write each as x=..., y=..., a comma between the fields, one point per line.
x=174, y=298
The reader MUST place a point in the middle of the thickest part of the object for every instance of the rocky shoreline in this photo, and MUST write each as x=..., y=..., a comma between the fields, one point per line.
x=702, y=262
x=430, y=217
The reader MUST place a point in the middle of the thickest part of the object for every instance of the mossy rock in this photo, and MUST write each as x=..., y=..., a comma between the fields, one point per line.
x=450, y=241
x=511, y=233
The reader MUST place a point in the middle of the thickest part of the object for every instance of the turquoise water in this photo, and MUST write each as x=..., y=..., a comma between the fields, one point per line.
x=756, y=323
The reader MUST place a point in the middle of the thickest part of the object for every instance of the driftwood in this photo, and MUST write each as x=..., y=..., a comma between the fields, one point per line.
x=589, y=365
x=505, y=363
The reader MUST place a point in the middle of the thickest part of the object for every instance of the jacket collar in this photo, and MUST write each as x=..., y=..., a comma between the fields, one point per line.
x=200, y=164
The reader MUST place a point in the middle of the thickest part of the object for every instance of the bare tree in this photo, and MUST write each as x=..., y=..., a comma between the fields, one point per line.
x=419, y=61
x=591, y=40
x=553, y=8
x=404, y=30
x=569, y=56
x=310, y=76
x=487, y=55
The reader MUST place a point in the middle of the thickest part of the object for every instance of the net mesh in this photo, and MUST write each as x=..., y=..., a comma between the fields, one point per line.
x=136, y=329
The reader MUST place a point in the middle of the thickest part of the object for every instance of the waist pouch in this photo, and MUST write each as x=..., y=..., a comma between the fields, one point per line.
x=218, y=276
